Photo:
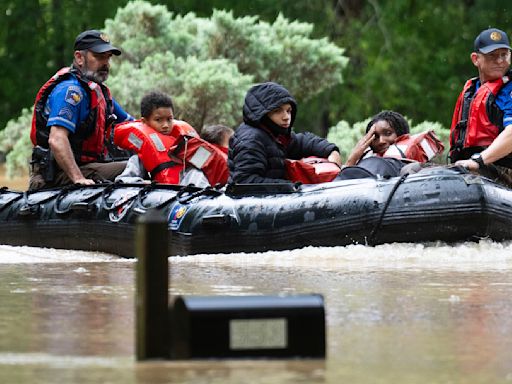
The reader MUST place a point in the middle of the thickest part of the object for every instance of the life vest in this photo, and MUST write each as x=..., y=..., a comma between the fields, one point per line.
x=165, y=156
x=311, y=170
x=88, y=143
x=421, y=147
x=476, y=120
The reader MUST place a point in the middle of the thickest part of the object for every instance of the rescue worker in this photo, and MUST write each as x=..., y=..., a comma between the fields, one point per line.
x=260, y=145
x=481, y=129
x=73, y=117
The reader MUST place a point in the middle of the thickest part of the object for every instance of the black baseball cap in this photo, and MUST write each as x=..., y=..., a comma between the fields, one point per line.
x=490, y=40
x=95, y=41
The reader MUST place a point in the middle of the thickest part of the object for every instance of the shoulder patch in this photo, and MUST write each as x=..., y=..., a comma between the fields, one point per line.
x=73, y=95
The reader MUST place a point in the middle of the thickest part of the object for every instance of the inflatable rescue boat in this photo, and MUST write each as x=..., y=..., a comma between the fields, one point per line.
x=436, y=204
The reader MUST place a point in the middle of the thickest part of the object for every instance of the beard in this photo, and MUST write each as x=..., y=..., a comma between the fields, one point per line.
x=98, y=76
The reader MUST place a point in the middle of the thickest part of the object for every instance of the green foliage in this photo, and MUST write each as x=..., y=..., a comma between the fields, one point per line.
x=207, y=64
x=36, y=39
x=15, y=142
x=202, y=87
x=346, y=136
x=410, y=56
x=405, y=55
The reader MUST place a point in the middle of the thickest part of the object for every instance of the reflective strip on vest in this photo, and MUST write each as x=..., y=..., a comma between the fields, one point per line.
x=200, y=158
x=396, y=150
x=427, y=148
x=135, y=140
x=159, y=145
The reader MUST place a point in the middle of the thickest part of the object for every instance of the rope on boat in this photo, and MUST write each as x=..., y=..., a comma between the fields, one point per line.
x=74, y=187
x=28, y=208
x=10, y=202
x=377, y=226
x=191, y=189
x=142, y=192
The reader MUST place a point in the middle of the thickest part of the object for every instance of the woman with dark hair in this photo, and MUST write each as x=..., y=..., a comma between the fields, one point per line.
x=381, y=132
x=369, y=158
x=387, y=147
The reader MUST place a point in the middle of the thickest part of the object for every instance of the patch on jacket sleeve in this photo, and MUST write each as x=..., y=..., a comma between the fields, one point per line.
x=73, y=95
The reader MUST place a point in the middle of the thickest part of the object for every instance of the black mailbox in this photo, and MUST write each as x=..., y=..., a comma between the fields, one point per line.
x=248, y=327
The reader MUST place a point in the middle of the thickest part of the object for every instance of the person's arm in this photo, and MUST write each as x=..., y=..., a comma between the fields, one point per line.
x=361, y=147
x=306, y=144
x=499, y=148
x=61, y=149
x=121, y=114
x=335, y=157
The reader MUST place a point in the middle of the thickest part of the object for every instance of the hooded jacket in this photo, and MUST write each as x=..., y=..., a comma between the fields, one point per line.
x=257, y=153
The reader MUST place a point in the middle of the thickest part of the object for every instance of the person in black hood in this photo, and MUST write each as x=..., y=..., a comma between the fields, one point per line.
x=260, y=145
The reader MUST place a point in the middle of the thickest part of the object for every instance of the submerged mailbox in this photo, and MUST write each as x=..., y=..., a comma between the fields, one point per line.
x=248, y=327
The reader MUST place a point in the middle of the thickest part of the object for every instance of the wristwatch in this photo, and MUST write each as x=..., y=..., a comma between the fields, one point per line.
x=477, y=158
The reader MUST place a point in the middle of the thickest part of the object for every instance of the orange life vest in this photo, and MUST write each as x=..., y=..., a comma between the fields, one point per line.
x=311, y=170
x=165, y=156
x=89, y=142
x=421, y=147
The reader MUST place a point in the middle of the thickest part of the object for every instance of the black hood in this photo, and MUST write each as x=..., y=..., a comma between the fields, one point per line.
x=263, y=98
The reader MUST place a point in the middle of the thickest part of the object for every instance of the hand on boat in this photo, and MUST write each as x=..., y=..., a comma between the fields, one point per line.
x=470, y=165
x=335, y=157
x=84, y=181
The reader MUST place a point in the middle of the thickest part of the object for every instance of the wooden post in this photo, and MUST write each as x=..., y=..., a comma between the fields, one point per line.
x=152, y=282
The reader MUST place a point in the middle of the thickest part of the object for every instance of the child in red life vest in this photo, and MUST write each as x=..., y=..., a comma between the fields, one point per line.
x=171, y=150
x=157, y=112
x=217, y=135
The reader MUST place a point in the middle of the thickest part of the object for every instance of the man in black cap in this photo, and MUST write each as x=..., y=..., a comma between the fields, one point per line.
x=73, y=119
x=481, y=130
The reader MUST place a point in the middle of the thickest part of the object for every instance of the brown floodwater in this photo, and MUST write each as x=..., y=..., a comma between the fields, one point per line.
x=398, y=313
x=19, y=183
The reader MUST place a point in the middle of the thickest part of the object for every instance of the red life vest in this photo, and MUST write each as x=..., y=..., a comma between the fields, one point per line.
x=421, y=147
x=476, y=120
x=311, y=170
x=207, y=157
x=165, y=156
x=89, y=141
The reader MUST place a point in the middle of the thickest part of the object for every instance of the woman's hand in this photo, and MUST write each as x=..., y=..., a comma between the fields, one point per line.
x=361, y=147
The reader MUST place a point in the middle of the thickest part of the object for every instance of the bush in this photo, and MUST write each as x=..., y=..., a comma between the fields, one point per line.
x=16, y=145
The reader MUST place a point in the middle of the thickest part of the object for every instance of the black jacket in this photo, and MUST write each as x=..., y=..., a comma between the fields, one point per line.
x=255, y=154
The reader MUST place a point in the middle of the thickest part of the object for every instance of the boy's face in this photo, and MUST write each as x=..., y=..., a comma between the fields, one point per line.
x=282, y=115
x=160, y=120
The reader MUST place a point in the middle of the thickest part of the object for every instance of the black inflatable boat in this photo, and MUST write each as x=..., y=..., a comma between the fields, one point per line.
x=435, y=204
